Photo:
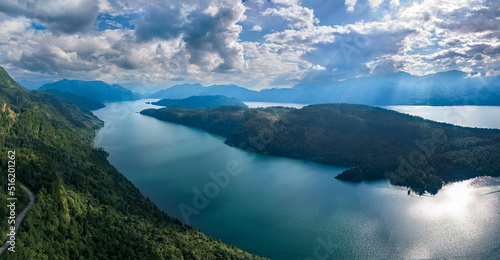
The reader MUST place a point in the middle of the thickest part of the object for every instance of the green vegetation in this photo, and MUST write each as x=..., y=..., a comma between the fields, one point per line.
x=96, y=90
x=200, y=102
x=375, y=143
x=84, y=209
x=84, y=103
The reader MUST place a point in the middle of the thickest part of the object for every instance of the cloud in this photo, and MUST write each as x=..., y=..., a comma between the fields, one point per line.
x=318, y=67
x=451, y=34
x=208, y=32
x=58, y=16
x=298, y=16
x=286, y=2
x=375, y=3
x=305, y=37
x=256, y=28
x=273, y=64
x=350, y=4
x=158, y=41
x=493, y=50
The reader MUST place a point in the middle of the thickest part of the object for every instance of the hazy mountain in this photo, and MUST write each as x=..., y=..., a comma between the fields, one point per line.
x=179, y=91
x=445, y=88
x=96, y=90
x=200, y=102
x=187, y=90
x=31, y=85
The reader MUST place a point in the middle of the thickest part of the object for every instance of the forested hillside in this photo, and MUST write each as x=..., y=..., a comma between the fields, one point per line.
x=96, y=90
x=84, y=209
x=84, y=103
x=200, y=102
x=375, y=143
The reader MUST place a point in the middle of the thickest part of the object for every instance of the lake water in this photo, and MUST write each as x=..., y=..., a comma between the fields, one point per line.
x=470, y=116
x=292, y=209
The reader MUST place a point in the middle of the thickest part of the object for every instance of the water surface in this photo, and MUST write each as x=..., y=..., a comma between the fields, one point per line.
x=292, y=209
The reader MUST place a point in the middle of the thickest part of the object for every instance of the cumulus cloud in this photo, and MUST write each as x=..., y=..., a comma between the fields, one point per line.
x=298, y=16
x=256, y=28
x=350, y=4
x=305, y=37
x=57, y=16
x=208, y=31
x=375, y=3
x=273, y=64
x=286, y=2
x=450, y=33
x=193, y=45
x=158, y=41
x=318, y=67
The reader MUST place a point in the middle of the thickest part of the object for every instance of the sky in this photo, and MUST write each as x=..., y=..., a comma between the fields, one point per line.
x=254, y=43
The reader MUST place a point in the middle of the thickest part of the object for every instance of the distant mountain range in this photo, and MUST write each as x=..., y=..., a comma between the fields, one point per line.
x=200, y=102
x=445, y=88
x=188, y=90
x=96, y=90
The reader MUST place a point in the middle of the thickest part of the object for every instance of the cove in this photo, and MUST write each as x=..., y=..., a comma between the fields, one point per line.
x=292, y=209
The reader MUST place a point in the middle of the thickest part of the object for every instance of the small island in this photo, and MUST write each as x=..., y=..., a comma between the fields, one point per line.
x=374, y=143
x=195, y=102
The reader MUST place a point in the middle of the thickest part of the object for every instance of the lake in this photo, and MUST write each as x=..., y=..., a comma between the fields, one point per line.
x=292, y=209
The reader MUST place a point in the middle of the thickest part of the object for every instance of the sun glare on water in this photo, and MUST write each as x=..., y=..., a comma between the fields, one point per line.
x=452, y=201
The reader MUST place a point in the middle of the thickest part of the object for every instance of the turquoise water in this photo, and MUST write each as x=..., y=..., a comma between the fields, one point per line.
x=292, y=209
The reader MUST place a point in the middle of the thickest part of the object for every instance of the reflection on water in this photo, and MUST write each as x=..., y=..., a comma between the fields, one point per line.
x=451, y=201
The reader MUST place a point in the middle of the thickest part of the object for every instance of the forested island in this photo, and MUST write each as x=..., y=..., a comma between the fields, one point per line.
x=84, y=208
x=374, y=143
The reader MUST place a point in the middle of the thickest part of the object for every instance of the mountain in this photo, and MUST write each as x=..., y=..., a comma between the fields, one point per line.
x=200, y=102
x=373, y=142
x=84, y=208
x=188, y=90
x=179, y=91
x=84, y=103
x=440, y=89
x=96, y=90
x=32, y=85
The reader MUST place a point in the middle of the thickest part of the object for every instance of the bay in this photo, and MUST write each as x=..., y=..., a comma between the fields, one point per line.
x=292, y=209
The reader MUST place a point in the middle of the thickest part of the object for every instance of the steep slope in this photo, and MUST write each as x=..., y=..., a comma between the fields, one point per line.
x=85, y=209
x=375, y=142
x=200, y=102
x=96, y=90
